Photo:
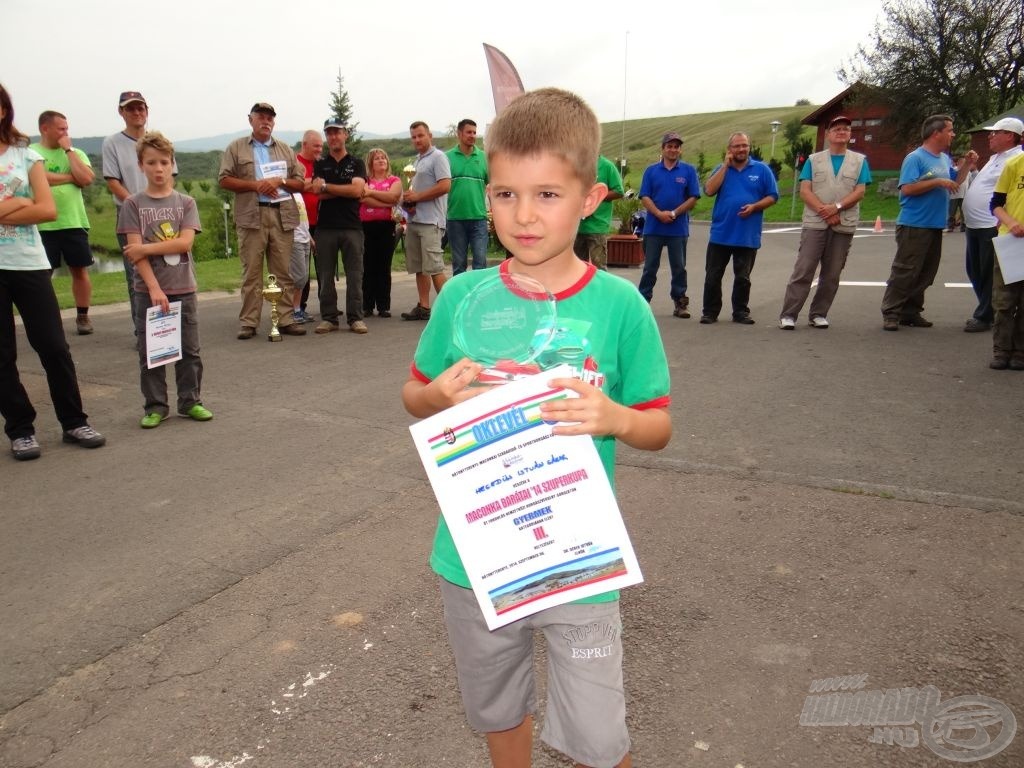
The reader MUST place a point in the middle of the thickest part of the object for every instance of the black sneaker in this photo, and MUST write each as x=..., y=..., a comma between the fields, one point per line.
x=916, y=321
x=708, y=319
x=419, y=312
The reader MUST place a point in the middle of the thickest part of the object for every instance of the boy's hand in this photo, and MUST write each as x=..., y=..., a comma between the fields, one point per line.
x=135, y=252
x=159, y=299
x=451, y=387
x=592, y=413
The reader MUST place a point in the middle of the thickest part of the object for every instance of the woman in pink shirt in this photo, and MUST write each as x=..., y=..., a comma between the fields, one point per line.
x=383, y=190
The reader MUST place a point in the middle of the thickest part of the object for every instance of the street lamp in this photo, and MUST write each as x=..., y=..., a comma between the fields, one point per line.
x=227, y=233
x=775, y=124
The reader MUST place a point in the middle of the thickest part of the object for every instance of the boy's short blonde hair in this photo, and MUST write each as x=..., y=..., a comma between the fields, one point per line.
x=549, y=120
x=154, y=140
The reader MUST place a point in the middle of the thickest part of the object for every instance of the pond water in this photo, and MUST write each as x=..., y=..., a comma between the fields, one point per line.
x=101, y=263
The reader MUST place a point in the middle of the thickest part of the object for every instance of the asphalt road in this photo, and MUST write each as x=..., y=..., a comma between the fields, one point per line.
x=254, y=590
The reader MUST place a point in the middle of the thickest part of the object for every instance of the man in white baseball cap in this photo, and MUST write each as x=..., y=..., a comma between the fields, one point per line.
x=1004, y=141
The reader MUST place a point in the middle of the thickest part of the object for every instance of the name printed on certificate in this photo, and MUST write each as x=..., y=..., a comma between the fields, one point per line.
x=533, y=515
x=163, y=335
x=276, y=169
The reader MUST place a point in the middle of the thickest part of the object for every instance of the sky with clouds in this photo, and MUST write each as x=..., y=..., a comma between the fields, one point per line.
x=201, y=65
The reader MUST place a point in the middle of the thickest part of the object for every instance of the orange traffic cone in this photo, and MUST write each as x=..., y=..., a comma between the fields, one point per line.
x=878, y=224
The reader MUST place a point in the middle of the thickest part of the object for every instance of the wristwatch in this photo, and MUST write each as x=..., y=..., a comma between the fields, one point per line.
x=672, y=214
x=839, y=205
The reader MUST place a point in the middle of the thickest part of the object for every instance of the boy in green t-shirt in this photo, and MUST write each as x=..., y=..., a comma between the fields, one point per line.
x=542, y=157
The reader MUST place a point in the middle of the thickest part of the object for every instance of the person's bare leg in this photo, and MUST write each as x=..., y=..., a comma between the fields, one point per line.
x=423, y=289
x=439, y=280
x=81, y=286
x=512, y=748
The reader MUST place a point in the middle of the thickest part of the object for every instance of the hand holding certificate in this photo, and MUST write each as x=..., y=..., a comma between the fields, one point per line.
x=532, y=514
x=163, y=335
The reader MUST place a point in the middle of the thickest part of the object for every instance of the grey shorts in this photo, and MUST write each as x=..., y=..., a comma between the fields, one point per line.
x=299, y=265
x=586, y=708
x=423, y=252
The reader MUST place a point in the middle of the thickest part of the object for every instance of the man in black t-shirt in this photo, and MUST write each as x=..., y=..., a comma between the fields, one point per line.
x=340, y=181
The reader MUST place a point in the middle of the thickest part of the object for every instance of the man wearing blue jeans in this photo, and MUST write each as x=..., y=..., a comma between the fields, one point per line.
x=467, y=200
x=668, y=191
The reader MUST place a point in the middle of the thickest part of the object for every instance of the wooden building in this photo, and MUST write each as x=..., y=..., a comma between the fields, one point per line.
x=867, y=136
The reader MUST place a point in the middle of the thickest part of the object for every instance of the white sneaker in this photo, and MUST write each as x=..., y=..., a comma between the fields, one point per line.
x=787, y=323
x=818, y=322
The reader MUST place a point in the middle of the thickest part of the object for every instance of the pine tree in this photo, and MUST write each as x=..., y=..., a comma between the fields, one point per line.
x=341, y=108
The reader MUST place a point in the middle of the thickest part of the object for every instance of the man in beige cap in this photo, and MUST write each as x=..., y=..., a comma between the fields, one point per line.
x=263, y=173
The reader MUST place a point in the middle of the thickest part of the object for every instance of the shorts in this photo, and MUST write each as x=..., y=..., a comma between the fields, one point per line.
x=71, y=244
x=299, y=265
x=423, y=252
x=586, y=708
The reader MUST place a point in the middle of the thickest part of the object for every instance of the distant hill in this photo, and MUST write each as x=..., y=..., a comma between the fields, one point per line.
x=639, y=140
x=93, y=145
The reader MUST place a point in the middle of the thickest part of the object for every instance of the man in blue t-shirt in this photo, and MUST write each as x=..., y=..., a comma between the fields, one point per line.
x=742, y=188
x=926, y=181
x=669, y=190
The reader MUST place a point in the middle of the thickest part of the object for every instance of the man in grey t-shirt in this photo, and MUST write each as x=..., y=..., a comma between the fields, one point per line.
x=426, y=203
x=121, y=168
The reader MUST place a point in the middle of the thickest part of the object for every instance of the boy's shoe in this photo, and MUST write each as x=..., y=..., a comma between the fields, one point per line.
x=26, y=448
x=325, y=326
x=419, y=312
x=743, y=319
x=818, y=322
x=85, y=436
x=384, y=313
x=292, y=329
x=246, y=332
x=358, y=326
x=197, y=412
x=298, y=316
x=977, y=326
x=999, y=363
x=890, y=324
x=681, y=309
x=83, y=324
x=787, y=323
x=152, y=420
x=1017, y=363
x=708, y=319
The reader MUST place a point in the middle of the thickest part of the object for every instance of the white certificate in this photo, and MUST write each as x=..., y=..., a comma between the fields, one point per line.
x=1010, y=251
x=533, y=515
x=276, y=169
x=163, y=335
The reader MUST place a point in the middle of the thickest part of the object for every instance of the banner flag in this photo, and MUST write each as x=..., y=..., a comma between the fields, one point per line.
x=505, y=82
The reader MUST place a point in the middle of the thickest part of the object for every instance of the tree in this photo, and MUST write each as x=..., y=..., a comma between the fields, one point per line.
x=959, y=57
x=798, y=146
x=341, y=108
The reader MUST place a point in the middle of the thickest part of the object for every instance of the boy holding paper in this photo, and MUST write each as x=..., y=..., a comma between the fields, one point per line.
x=542, y=156
x=160, y=224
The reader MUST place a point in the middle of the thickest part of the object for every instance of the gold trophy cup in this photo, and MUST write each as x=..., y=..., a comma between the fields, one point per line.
x=272, y=293
x=408, y=172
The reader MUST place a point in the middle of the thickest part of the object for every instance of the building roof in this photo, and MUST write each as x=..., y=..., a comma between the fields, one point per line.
x=1017, y=111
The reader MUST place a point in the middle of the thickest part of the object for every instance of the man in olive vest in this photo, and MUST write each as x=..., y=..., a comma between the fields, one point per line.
x=832, y=183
